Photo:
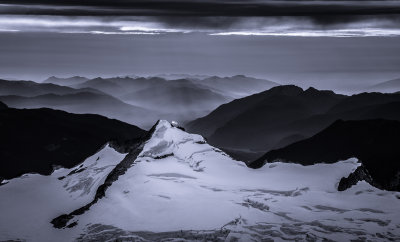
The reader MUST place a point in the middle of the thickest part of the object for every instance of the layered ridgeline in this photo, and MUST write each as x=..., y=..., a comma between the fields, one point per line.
x=180, y=100
x=233, y=87
x=250, y=126
x=86, y=102
x=135, y=100
x=374, y=142
x=179, y=97
x=175, y=186
x=31, y=89
x=68, y=81
x=388, y=86
x=38, y=140
x=27, y=94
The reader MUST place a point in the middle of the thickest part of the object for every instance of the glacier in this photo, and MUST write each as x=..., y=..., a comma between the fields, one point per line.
x=181, y=188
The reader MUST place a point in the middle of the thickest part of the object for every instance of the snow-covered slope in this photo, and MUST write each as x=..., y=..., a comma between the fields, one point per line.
x=28, y=203
x=181, y=187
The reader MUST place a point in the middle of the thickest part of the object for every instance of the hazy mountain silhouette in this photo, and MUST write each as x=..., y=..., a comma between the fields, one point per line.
x=35, y=140
x=374, y=142
x=176, y=94
x=86, y=102
x=69, y=81
x=119, y=86
x=30, y=88
x=180, y=98
x=237, y=86
x=285, y=114
x=209, y=124
x=387, y=86
x=181, y=76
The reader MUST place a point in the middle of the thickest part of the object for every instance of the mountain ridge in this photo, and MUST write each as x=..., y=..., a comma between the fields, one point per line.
x=85, y=102
x=68, y=81
x=387, y=86
x=51, y=137
x=373, y=142
x=283, y=114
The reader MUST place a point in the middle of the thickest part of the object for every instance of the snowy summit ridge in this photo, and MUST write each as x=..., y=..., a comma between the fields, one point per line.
x=175, y=185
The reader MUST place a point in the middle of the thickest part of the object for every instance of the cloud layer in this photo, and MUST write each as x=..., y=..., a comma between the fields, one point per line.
x=218, y=17
x=201, y=8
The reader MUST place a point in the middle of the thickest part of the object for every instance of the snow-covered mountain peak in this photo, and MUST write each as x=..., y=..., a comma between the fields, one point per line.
x=167, y=140
x=175, y=186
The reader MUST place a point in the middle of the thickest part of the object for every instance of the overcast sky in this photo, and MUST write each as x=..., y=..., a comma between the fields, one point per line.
x=330, y=42
x=220, y=17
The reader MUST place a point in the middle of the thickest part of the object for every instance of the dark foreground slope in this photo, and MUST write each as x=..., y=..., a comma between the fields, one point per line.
x=3, y=106
x=36, y=140
x=286, y=114
x=264, y=120
x=374, y=142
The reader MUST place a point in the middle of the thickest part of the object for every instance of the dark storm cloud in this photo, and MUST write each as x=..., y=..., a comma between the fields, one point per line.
x=289, y=17
x=314, y=9
x=210, y=8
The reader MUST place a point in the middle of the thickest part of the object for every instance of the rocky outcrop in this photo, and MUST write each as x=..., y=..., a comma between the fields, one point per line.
x=360, y=174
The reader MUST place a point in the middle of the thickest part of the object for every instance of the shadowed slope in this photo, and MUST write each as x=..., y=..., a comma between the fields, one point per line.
x=286, y=114
x=374, y=142
x=36, y=140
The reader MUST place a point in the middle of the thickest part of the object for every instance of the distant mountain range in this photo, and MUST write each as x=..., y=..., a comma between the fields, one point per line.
x=285, y=114
x=182, y=76
x=237, y=86
x=374, y=142
x=183, y=99
x=387, y=86
x=133, y=99
x=38, y=140
x=28, y=94
x=31, y=89
x=69, y=81
x=119, y=86
x=86, y=102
